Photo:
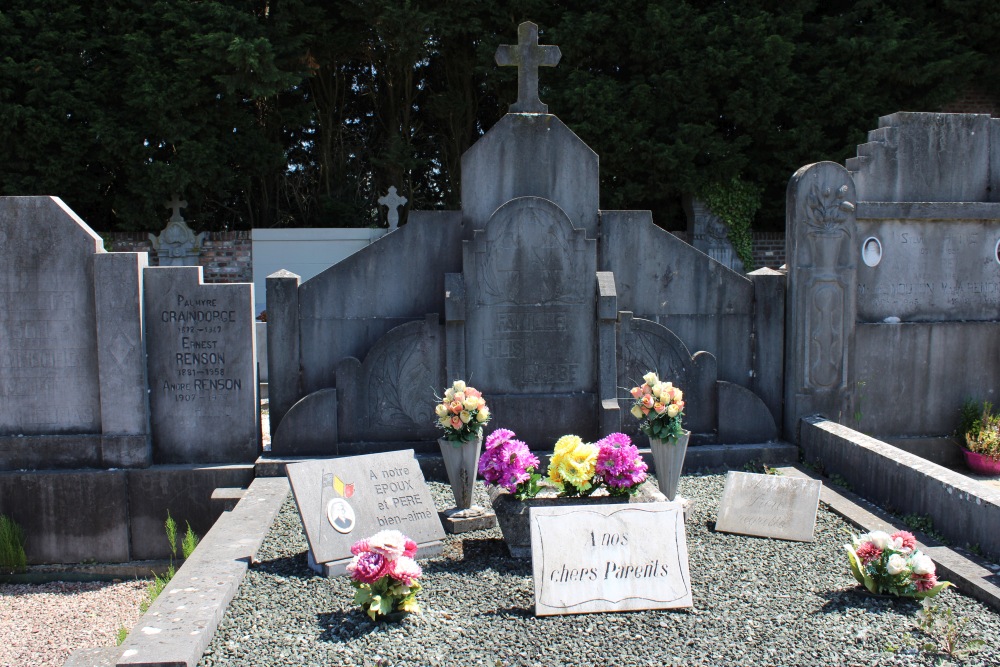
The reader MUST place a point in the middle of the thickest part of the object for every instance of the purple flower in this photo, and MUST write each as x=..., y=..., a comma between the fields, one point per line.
x=619, y=463
x=368, y=567
x=506, y=461
x=497, y=437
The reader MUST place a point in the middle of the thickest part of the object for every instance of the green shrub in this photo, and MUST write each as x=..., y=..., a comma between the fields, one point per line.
x=189, y=542
x=982, y=433
x=12, y=556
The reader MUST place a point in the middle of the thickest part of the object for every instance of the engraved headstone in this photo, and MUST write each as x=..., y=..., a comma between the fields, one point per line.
x=348, y=499
x=201, y=360
x=769, y=506
x=600, y=558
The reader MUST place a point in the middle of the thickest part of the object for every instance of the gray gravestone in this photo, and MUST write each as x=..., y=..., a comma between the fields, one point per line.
x=710, y=234
x=345, y=500
x=531, y=325
x=769, y=506
x=392, y=201
x=202, y=367
x=599, y=558
x=177, y=244
x=48, y=338
x=528, y=55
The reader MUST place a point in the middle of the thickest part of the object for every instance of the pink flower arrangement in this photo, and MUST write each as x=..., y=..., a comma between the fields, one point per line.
x=384, y=574
x=659, y=406
x=461, y=413
x=619, y=465
x=892, y=564
x=508, y=463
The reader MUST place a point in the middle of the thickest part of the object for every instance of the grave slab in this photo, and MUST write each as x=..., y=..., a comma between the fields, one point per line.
x=769, y=506
x=348, y=499
x=593, y=558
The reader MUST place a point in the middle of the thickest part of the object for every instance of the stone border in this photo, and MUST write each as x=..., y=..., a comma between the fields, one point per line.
x=967, y=571
x=180, y=623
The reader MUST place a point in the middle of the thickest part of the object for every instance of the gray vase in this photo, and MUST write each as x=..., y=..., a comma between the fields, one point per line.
x=461, y=461
x=668, y=459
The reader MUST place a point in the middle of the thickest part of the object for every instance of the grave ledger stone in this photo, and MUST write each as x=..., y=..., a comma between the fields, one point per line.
x=524, y=292
x=769, y=506
x=348, y=499
x=598, y=558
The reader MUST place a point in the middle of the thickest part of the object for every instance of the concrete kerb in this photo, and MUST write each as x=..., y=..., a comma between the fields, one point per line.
x=970, y=573
x=180, y=623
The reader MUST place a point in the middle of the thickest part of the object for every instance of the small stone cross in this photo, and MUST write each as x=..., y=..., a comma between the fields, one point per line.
x=528, y=55
x=176, y=203
x=393, y=201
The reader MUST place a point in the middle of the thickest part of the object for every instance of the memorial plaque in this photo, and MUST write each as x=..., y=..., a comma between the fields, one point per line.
x=202, y=367
x=769, y=506
x=601, y=558
x=348, y=499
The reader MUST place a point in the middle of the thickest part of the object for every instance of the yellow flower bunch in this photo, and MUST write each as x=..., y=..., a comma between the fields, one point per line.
x=573, y=463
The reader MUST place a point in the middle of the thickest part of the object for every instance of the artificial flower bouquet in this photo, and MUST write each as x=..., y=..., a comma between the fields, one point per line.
x=384, y=574
x=577, y=468
x=461, y=413
x=891, y=564
x=508, y=463
x=660, y=406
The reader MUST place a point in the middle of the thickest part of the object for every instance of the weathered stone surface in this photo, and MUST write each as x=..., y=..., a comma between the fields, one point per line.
x=530, y=155
x=531, y=322
x=202, y=368
x=183, y=490
x=822, y=291
x=769, y=506
x=348, y=499
x=930, y=270
x=743, y=417
x=599, y=558
x=769, y=339
x=69, y=516
x=284, y=378
x=48, y=335
x=662, y=279
x=709, y=234
x=309, y=428
x=926, y=157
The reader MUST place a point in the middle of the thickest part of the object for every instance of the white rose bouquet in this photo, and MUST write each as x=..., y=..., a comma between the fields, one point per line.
x=891, y=564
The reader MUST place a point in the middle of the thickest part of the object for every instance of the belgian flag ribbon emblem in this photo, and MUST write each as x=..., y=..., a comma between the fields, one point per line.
x=342, y=489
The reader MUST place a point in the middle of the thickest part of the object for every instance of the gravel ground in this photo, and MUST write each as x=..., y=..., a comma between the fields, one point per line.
x=756, y=602
x=41, y=624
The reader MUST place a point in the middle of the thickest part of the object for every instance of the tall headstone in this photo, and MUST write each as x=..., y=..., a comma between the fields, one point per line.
x=822, y=292
x=203, y=385
x=393, y=202
x=710, y=234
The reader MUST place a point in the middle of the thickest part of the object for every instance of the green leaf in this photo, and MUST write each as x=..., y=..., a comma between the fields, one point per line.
x=934, y=591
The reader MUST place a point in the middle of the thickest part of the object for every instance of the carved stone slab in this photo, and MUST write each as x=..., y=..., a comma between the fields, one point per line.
x=348, y=499
x=600, y=558
x=769, y=506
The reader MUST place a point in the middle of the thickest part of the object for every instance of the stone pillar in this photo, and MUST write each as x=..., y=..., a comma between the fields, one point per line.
x=121, y=353
x=822, y=286
x=284, y=377
x=454, y=333
x=607, y=353
x=709, y=234
x=769, y=338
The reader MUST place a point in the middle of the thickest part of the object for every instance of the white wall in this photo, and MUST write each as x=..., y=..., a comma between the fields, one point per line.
x=305, y=252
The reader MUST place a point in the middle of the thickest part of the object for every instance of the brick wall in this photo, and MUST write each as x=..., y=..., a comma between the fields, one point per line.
x=768, y=249
x=974, y=101
x=225, y=256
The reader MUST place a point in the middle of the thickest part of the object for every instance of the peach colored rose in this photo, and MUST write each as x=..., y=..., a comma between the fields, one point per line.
x=456, y=422
x=645, y=411
x=636, y=392
x=455, y=407
x=648, y=401
x=659, y=408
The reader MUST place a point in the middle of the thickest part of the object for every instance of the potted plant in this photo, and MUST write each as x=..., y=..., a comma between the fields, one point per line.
x=608, y=471
x=384, y=575
x=461, y=414
x=660, y=407
x=980, y=431
x=892, y=565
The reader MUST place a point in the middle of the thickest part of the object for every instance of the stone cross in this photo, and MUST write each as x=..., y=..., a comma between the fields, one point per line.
x=528, y=55
x=176, y=203
x=393, y=201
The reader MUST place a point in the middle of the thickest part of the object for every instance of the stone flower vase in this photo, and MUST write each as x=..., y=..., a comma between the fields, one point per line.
x=461, y=461
x=668, y=459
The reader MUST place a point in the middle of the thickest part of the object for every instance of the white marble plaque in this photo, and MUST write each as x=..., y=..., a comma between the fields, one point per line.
x=601, y=558
x=769, y=506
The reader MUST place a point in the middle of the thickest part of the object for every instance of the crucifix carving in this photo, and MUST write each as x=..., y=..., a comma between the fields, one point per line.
x=393, y=202
x=528, y=55
x=176, y=204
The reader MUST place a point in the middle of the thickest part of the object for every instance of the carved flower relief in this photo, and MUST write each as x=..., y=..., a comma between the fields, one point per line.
x=827, y=208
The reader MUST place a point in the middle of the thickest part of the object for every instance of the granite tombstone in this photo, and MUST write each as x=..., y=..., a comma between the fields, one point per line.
x=769, y=506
